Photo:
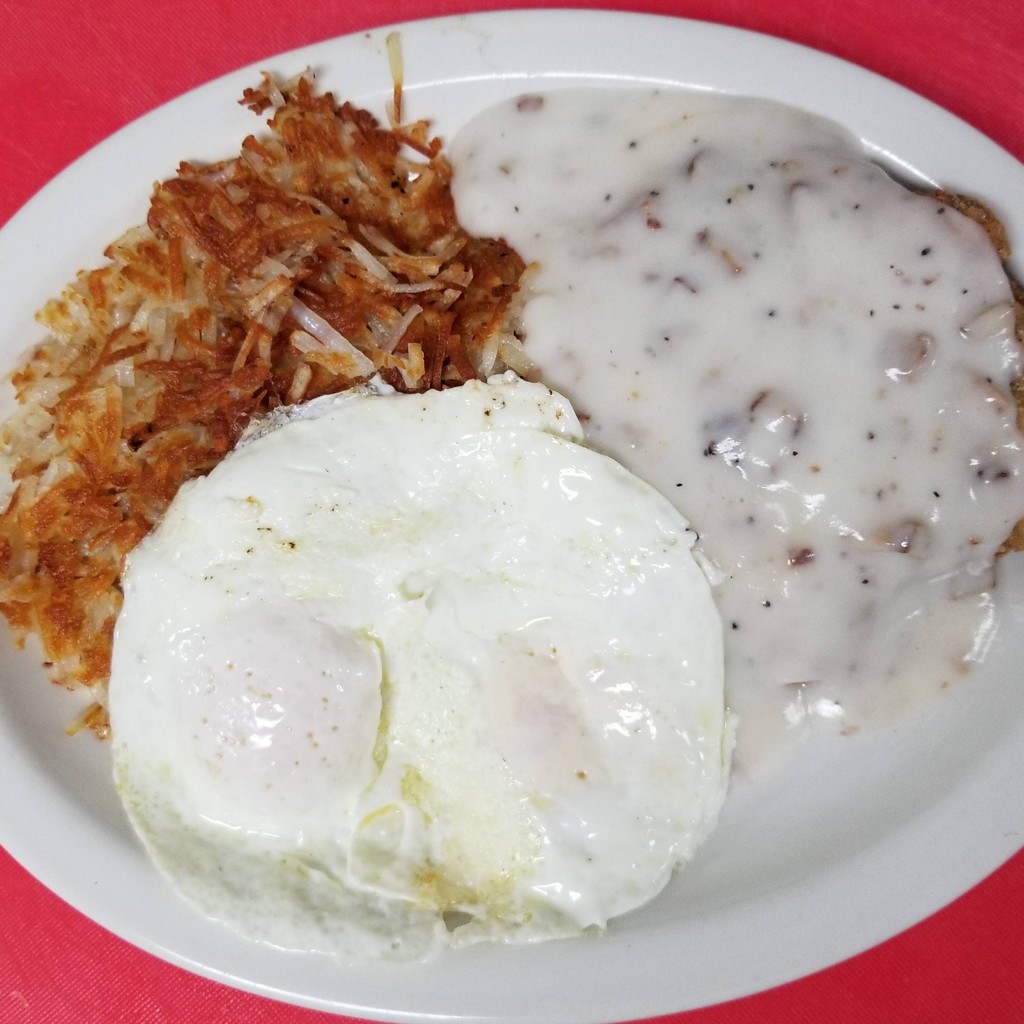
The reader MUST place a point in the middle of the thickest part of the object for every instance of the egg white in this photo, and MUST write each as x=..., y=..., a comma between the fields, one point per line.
x=407, y=671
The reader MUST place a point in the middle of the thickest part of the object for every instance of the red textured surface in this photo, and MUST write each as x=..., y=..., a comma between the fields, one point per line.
x=70, y=74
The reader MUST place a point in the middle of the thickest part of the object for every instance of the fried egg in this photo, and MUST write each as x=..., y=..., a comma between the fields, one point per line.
x=409, y=671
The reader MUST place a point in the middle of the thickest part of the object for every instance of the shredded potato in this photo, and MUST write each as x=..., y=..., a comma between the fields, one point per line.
x=322, y=254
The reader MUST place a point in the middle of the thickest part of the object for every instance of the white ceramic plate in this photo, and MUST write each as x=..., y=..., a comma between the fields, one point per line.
x=862, y=837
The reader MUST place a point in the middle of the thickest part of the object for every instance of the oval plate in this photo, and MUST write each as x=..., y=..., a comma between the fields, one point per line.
x=860, y=838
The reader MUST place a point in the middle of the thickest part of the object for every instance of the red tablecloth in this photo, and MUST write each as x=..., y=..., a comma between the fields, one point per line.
x=70, y=74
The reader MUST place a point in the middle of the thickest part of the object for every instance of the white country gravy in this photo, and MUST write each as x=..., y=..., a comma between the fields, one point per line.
x=812, y=361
